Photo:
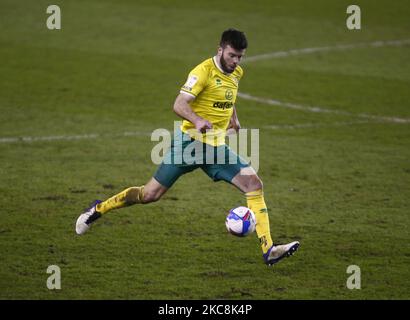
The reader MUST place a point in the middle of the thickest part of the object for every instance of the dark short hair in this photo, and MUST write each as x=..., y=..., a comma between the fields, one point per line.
x=235, y=38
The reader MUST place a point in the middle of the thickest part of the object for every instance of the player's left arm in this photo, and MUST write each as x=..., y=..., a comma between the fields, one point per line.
x=234, y=122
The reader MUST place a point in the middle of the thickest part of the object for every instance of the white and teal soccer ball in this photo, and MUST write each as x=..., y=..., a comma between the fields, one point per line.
x=240, y=221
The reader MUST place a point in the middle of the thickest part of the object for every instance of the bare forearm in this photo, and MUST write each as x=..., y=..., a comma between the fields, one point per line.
x=184, y=110
x=234, y=123
x=234, y=114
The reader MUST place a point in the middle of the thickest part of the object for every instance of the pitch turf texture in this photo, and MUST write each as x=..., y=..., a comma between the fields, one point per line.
x=337, y=182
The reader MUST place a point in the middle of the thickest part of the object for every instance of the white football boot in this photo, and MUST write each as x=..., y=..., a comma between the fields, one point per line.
x=279, y=251
x=85, y=220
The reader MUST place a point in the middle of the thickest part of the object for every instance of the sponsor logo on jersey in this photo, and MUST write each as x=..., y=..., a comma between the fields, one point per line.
x=223, y=105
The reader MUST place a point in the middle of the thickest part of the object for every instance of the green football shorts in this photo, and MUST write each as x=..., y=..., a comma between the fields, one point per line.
x=187, y=154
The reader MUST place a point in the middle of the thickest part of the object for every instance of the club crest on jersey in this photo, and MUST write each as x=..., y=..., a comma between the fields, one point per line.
x=229, y=94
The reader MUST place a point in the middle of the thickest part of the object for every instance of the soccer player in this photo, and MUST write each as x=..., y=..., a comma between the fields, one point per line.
x=206, y=103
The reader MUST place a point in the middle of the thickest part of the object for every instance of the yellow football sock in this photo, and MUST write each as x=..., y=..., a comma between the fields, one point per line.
x=256, y=203
x=125, y=198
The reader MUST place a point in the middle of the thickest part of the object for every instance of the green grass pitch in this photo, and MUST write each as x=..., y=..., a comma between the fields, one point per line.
x=337, y=180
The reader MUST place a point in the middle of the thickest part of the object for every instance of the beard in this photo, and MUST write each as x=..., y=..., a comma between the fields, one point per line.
x=225, y=66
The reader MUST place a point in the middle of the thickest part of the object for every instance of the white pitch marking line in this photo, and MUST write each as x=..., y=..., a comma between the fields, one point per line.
x=280, y=54
x=146, y=133
x=73, y=137
x=314, y=125
x=294, y=52
x=277, y=54
x=316, y=109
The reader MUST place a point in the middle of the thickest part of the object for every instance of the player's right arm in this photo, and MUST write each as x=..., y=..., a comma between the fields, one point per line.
x=183, y=109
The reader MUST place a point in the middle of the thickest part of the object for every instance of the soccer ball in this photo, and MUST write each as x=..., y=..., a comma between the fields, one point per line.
x=240, y=221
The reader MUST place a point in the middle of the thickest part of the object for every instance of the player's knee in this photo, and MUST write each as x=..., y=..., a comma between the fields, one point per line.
x=254, y=183
x=151, y=196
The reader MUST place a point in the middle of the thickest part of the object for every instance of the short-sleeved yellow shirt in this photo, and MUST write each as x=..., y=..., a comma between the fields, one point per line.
x=215, y=95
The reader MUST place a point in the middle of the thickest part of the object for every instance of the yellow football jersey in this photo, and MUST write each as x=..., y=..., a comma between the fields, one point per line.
x=215, y=96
